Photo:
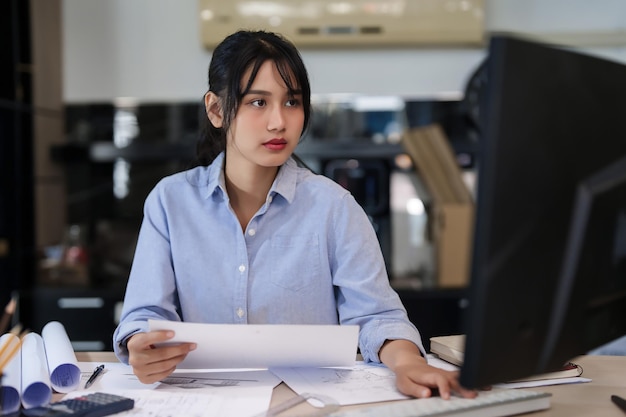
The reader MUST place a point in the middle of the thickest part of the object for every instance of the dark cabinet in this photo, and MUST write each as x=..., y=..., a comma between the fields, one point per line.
x=435, y=312
x=89, y=314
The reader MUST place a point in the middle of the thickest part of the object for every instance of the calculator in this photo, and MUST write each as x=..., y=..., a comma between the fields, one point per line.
x=96, y=404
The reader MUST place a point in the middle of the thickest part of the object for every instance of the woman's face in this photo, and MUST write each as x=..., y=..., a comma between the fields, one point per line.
x=268, y=123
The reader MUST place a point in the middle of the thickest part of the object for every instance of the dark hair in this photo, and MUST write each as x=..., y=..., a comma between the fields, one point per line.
x=236, y=54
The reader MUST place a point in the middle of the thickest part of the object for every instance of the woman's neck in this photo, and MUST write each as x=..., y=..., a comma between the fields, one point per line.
x=247, y=187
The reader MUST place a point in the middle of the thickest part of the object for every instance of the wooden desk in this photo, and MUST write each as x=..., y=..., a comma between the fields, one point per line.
x=608, y=374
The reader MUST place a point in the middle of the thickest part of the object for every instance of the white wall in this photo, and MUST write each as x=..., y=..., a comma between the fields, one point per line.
x=151, y=50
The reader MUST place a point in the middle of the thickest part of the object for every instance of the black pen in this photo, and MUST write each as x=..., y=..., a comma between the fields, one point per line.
x=619, y=401
x=93, y=376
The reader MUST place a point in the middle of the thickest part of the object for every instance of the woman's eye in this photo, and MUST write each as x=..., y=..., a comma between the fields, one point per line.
x=293, y=102
x=258, y=103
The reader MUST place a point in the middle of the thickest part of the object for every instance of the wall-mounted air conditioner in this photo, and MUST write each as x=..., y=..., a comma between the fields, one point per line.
x=348, y=22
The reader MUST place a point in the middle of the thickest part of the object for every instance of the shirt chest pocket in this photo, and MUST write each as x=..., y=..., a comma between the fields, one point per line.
x=295, y=261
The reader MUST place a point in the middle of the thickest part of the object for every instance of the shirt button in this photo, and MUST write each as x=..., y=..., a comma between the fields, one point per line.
x=252, y=232
x=239, y=313
x=242, y=268
x=269, y=199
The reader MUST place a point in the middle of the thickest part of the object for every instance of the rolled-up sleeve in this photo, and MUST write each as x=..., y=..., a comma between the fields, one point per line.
x=151, y=290
x=364, y=294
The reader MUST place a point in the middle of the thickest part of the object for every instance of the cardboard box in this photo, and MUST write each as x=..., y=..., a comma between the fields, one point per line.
x=452, y=214
x=452, y=227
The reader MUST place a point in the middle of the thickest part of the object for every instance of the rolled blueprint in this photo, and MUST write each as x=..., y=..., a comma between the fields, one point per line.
x=11, y=376
x=36, y=389
x=62, y=363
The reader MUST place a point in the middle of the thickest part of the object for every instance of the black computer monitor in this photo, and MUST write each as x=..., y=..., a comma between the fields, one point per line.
x=548, y=277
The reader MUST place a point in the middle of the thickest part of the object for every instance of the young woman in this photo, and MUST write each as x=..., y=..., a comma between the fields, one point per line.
x=248, y=236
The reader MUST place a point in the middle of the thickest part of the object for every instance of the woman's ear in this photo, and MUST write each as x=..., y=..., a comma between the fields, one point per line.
x=214, y=109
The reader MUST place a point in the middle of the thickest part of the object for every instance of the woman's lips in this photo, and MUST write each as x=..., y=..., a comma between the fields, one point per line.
x=276, y=144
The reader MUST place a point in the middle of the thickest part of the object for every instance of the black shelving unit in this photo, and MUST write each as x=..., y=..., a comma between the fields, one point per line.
x=17, y=233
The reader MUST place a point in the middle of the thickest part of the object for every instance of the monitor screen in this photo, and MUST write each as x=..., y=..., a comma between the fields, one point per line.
x=548, y=277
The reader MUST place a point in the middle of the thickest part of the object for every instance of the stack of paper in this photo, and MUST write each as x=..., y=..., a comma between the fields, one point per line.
x=451, y=349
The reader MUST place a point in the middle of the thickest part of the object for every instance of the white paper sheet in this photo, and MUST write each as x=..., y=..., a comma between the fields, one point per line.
x=242, y=402
x=263, y=346
x=543, y=382
x=11, y=376
x=62, y=363
x=36, y=389
x=440, y=363
x=188, y=393
x=225, y=380
x=117, y=376
x=358, y=384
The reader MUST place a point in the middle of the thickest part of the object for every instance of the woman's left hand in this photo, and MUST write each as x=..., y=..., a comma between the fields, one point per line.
x=415, y=377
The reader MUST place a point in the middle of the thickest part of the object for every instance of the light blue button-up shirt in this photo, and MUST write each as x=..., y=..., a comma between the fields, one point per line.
x=308, y=256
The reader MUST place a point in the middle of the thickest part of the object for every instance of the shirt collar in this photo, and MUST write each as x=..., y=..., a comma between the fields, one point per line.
x=216, y=176
x=284, y=184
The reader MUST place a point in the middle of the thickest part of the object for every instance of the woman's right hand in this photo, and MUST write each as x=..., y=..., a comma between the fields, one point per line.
x=150, y=363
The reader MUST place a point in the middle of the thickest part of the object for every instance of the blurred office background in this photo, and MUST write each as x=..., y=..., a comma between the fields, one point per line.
x=100, y=99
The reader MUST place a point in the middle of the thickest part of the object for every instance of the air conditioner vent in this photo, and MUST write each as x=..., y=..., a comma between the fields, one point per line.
x=370, y=30
x=345, y=23
x=309, y=31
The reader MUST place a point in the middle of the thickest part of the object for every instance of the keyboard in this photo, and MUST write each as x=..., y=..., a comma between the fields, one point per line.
x=493, y=403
